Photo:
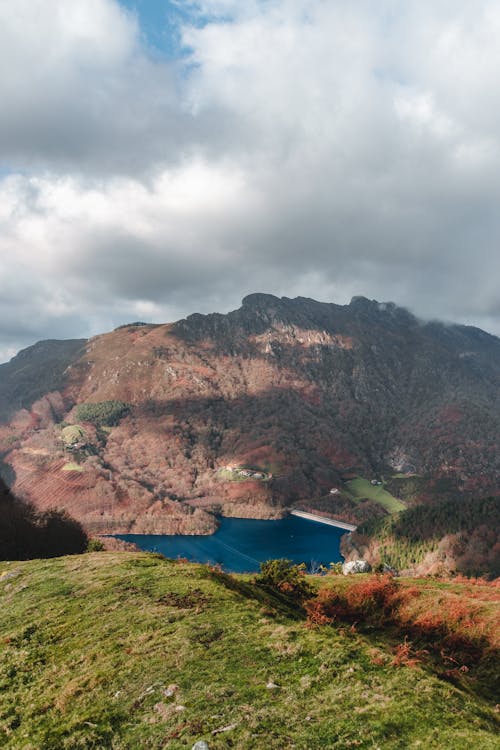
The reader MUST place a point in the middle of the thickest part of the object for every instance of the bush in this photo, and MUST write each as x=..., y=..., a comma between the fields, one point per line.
x=102, y=414
x=285, y=578
x=72, y=434
x=336, y=568
x=325, y=608
x=373, y=600
x=135, y=324
x=95, y=545
x=448, y=624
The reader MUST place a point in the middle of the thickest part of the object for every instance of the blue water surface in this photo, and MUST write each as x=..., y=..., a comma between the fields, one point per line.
x=240, y=545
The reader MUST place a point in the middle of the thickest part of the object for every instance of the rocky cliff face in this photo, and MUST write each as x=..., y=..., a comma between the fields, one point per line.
x=308, y=392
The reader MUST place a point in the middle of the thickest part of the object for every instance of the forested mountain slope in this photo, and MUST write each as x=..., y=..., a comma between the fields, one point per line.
x=281, y=402
x=134, y=651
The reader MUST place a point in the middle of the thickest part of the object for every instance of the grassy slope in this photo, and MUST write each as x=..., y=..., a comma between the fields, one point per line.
x=89, y=645
x=360, y=487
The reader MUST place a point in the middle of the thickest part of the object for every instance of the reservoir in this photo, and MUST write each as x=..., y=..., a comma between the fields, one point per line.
x=241, y=544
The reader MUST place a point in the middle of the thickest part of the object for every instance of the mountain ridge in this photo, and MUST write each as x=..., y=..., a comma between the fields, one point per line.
x=308, y=392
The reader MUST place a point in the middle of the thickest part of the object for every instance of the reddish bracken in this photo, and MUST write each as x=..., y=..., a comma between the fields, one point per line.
x=375, y=597
x=406, y=655
x=458, y=628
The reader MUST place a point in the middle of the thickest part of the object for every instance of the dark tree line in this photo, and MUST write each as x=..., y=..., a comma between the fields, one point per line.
x=26, y=533
x=434, y=520
x=466, y=530
x=449, y=516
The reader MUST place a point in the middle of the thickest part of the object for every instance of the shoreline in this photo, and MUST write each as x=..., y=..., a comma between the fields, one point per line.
x=306, y=515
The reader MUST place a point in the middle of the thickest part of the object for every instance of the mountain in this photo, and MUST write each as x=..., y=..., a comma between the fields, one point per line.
x=354, y=410
x=33, y=372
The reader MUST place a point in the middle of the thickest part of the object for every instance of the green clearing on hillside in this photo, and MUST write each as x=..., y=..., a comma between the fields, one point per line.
x=362, y=488
x=127, y=651
x=72, y=466
x=228, y=476
x=73, y=433
x=232, y=476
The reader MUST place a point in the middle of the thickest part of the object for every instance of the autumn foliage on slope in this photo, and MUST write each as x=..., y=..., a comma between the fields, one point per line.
x=308, y=393
x=454, y=622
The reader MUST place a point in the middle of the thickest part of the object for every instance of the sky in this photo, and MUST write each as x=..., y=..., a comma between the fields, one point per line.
x=161, y=157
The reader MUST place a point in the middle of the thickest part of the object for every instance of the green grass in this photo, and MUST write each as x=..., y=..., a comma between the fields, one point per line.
x=73, y=433
x=362, y=488
x=72, y=466
x=232, y=476
x=90, y=644
x=405, y=476
x=229, y=476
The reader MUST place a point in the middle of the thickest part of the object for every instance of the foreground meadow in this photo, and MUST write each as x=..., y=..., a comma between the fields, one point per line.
x=125, y=651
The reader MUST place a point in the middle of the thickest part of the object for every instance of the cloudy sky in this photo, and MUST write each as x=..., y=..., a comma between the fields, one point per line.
x=159, y=158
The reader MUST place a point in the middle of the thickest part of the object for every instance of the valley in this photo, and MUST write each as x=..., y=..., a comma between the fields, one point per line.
x=352, y=411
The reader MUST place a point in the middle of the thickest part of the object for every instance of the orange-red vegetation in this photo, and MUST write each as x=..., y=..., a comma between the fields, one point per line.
x=457, y=621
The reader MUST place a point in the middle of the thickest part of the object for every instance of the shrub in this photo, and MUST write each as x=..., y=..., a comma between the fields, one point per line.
x=135, y=324
x=405, y=655
x=324, y=608
x=374, y=598
x=102, y=414
x=285, y=578
x=450, y=625
x=72, y=434
x=95, y=545
x=336, y=568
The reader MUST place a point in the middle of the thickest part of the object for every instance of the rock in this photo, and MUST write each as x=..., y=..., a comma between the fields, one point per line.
x=356, y=566
x=229, y=728
x=272, y=685
x=9, y=574
x=200, y=745
x=170, y=690
x=389, y=569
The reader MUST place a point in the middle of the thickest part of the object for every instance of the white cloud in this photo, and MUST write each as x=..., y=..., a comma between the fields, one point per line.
x=318, y=148
x=78, y=91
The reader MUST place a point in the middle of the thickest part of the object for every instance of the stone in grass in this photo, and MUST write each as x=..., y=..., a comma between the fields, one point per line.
x=169, y=691
x=356, y=566
x=229, y=728
x=200, y=745
x=272, y=685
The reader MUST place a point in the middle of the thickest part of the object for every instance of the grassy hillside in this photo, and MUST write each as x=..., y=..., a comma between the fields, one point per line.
x=362, y=488
x=126, y=651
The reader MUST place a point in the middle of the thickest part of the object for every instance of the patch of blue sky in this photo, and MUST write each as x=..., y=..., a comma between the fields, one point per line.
x=5, y=171
x=161, y=21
